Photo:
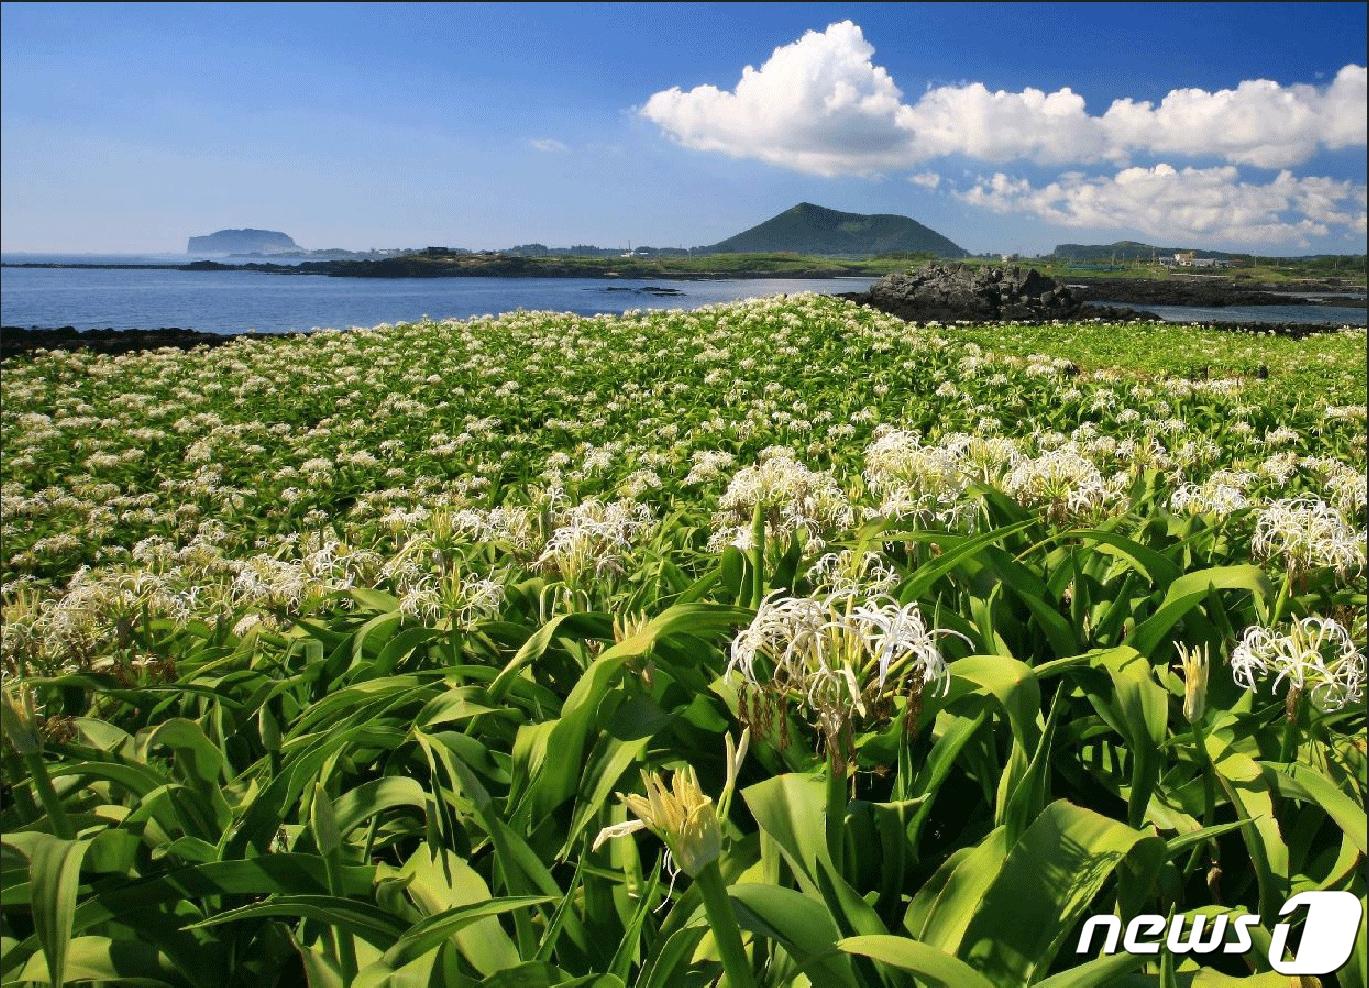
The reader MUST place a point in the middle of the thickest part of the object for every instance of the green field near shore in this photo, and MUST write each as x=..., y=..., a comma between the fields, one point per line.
x=768, y=643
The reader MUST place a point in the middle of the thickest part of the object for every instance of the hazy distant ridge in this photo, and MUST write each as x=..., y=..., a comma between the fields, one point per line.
x=1130, y=250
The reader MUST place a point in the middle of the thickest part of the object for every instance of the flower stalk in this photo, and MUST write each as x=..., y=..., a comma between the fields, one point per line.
x=758, y=555
x=723, y=922
x=21, y=727
x=838, y=798
x=685, y=818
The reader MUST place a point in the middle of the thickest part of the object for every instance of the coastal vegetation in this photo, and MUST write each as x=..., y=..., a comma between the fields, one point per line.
x=769, y=643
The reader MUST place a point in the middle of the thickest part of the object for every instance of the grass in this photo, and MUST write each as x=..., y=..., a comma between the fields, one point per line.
x=1252, y=272
x=1321, y=366
x=771, y=643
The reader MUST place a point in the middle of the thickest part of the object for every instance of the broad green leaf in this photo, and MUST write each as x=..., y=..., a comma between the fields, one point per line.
x=1304, y=782
x=932, y=966
x=800, y=924
x=791, y=809
x=1091, y=974
x=54, y=876
x=1187, y=592
x=927, y=575
x=431, y=933
x=1055, y=870
x=359, y=918
x=100, y=959
x=1249, y=791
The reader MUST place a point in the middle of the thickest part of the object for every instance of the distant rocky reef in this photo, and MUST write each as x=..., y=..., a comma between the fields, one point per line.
x=951, y=292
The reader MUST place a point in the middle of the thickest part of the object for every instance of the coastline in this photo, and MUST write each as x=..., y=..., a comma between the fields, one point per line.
x=16, y=341
x=505, y=268
x=1204, y=292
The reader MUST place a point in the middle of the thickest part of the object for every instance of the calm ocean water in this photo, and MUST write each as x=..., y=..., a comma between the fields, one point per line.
x=235, y=301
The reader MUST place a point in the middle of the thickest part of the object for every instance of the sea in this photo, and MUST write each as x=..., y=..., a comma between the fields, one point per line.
x=243, y=301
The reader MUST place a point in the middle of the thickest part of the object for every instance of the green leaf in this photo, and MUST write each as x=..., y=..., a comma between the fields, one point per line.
x=1249, y=790
x=438, y=882
x=791, y=809
x=123, y=962
x=1012, y=683
x=1050, y=876
x=54, y=877
x=663, y=969
x=370, y=799
x=1140, y=709
x=1155, y=567
x=359, y=918
x=932, y=966
x=1299, y=781
x=800, y=924
x=941, y=911
x=554, y=753
x=1091, y=974
x=926, y=575
x=433, y=932
x=582, y=626
x=1187, y=592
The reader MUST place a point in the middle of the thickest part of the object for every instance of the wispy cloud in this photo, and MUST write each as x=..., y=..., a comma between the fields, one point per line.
x=549, y=145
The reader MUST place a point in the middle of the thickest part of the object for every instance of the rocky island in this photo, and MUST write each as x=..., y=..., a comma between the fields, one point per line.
x=247, y=241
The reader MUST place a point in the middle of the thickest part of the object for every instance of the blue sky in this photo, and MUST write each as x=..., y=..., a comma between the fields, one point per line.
x=128, y=127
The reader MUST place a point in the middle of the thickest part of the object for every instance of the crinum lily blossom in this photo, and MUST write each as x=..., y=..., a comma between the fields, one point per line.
x=1315, y=655
x=838, y=658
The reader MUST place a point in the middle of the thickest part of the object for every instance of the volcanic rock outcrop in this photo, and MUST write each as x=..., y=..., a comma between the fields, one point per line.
x=952, y=292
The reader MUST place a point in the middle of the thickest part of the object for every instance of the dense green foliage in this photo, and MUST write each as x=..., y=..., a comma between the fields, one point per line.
x=328, y=657
x=810, y=229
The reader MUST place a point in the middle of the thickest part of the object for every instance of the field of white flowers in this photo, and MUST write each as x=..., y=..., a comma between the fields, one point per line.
x=771, y=643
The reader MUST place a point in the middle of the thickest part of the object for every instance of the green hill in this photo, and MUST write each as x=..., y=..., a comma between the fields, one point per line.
x=810, y=229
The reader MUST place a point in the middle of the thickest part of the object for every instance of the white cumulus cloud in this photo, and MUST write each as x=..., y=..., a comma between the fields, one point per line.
x=926, y=180
x=821, y=105
x=1187, y=205
x=1257, y=123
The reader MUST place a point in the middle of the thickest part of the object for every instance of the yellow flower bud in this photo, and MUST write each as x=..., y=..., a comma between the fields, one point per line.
x=681, y=814
x=20, y=720
x=1193, y=663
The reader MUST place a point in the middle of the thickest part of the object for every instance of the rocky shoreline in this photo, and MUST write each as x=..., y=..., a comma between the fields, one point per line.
x=15, y=340
x=961, y=293
x=1204, y=293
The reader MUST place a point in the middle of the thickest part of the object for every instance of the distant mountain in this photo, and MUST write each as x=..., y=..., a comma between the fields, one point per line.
x=1129, y=250
x=810, y=229
x=243, y=242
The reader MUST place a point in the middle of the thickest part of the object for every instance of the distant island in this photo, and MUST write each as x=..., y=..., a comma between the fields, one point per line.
x=811, y=229
x=222, y=243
